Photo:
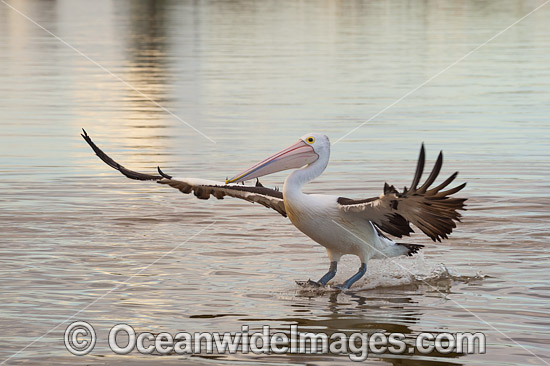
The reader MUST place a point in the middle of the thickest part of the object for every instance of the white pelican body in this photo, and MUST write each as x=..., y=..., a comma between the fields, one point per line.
x=319, y=217
x=341, y=225
x=340, y=233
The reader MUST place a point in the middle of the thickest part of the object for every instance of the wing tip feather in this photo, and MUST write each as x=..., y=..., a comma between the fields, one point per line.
x=163, y=174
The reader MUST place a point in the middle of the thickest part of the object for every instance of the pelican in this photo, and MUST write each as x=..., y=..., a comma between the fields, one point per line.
x=341, y=225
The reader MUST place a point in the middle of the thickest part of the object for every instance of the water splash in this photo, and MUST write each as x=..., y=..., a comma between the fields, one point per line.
x=406, y=273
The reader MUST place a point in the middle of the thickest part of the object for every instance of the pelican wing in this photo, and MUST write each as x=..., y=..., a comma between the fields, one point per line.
x=432, y=210
x=201, y=188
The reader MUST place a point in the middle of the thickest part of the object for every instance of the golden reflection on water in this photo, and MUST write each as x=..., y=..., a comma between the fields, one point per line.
x=254, y=76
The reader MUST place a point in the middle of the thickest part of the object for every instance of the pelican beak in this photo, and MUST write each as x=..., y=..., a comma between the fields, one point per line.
x=293, y=157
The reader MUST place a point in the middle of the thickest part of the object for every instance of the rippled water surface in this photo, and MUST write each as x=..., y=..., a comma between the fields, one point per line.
x=252, y=77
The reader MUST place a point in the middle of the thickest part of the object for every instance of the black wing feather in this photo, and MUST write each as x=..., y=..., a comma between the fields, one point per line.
x=107, y=160
x=433, y=211
x=258, y=194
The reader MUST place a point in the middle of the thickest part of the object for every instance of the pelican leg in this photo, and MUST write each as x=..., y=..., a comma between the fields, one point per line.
x=327, y=276
x=350, y=281
x=323, y=281
x=330, y=274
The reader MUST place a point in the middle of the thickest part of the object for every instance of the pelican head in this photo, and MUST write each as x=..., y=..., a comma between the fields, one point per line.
x=306, y=151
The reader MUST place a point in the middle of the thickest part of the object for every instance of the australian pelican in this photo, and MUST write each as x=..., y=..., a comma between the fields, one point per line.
x=341, y=225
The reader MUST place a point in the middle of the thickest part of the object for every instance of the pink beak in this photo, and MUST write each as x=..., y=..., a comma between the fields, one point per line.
x=293, y=157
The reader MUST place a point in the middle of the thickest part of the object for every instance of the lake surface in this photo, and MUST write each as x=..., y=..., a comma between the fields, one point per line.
x=76, y=236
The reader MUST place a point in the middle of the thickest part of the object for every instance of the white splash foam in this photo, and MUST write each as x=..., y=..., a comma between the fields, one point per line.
x=405, y=272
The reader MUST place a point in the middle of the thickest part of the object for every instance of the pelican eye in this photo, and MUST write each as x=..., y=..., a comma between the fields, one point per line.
x=310, y=140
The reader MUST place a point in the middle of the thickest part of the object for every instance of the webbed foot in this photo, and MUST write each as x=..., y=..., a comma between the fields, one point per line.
x=309, y=283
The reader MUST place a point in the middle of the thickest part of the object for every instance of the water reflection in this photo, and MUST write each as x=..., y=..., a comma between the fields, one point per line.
x=353, y=312
x=147, y=65
x=254, y=76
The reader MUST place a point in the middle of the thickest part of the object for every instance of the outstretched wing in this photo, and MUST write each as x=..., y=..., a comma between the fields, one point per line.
x=432, y=210
x=201, y=188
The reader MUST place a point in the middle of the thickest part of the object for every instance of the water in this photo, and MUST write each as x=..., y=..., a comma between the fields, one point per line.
x=254, y=76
